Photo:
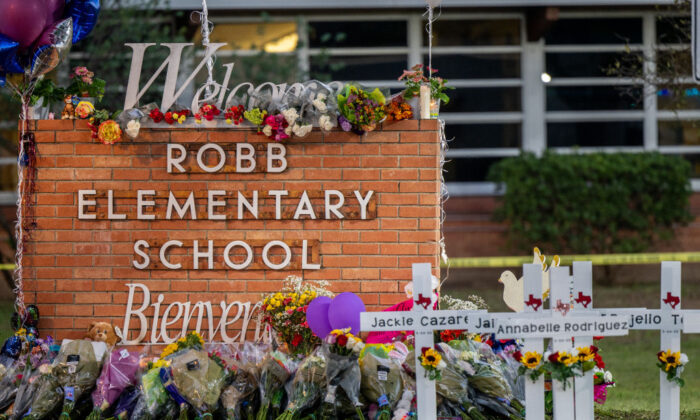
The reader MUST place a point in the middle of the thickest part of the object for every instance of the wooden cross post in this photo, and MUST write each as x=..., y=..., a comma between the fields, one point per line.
x=534, y=391
x=560, y=304
x=583, y=301
x=669, y=393
x=422, y=294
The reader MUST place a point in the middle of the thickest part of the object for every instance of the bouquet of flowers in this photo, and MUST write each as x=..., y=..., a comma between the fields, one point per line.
x=453, y=385
x=672, y=363
x=85, y=84
x=382, y=382
x=234, y=114
x=153, y=400
x=126, y=403
x=360, y=110
x=118, y=373
x=74, y=372
x=341, y=350
x=256, y=116
x=277, y=367
x=40, y=355
x=487, y=378
x=323, y=107
x=285, y=312
x=207, y=112
x=414, y=78
x=244, y=383
x=602, y=380
x=398, y=109
x=275, y=126
x=306, y=386
x=193, y=378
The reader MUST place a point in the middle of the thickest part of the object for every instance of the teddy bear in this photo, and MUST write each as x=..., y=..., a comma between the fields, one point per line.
x=102, y=331
x=68, y=112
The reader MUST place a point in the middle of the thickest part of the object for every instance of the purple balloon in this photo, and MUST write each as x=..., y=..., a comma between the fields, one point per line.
x=317, y=316
x=344, y=312
x=22, y=20
x=54, y=10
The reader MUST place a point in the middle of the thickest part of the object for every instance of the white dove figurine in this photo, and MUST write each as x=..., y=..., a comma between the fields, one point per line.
x=513, y=287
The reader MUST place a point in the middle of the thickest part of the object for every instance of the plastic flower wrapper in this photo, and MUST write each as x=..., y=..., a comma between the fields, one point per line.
x=126, y=403
x=454, y=386
x=341, y=350
x=382, y=382
x=118, y=372
x=153, y=401
x=484, y=370
x=244, y=381
x=10, y=383
x=307, y=386
x=72, y=374
x=40, y=354
x=193, y=378
x=276, y=369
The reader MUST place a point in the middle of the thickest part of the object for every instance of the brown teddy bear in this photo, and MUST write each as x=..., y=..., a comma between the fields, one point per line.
x=68, y=112
x=102, y=331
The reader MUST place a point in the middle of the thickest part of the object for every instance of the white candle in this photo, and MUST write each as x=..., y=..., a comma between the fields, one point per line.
x=425, y=102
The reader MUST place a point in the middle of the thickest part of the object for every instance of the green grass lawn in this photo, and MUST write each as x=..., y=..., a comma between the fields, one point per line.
x=6, y=310
x=631, y=359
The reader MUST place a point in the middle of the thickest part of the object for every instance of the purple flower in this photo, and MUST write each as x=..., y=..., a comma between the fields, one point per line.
x=344, y=123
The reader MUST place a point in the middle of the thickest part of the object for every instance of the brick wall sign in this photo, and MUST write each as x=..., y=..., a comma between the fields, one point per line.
x=184, y=229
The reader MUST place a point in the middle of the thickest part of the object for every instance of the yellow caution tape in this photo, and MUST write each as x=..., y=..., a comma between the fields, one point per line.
x=596, y=259
x=7, y=266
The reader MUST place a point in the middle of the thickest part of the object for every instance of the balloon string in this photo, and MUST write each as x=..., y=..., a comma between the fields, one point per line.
x=19, y=225
x=207, y=27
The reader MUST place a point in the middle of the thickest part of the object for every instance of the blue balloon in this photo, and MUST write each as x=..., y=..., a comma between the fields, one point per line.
x=84, y=14
x=12, y=347
x=8, y=56
x=2, y=79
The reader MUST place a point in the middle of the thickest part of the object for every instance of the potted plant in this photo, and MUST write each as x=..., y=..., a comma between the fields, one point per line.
x=86, y=85
x=45, y=95
x=430, y=90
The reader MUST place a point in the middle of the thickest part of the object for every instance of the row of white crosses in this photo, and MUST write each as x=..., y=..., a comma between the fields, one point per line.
x=567, y=319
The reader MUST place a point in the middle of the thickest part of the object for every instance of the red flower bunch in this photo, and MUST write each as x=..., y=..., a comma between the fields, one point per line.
x=234, y=115
x=448, y=335
x=517, y=355
x=599, y=361
x=297, y=339
x=156, y=115
x=554, y=357
x=208, y=112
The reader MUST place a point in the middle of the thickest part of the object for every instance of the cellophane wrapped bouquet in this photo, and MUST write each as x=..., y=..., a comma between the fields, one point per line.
x=153, y=401
x=453, y=385
x=73, y=373
x=307, y=386
x=360, y=110
x=277, y=367
x=118, y=372
x=341, y=350
x=488, y=384
x=191, y=377
x=239, y=395
x=382, y=381
x=13, y=364
x=39, y=358
x=285, y=313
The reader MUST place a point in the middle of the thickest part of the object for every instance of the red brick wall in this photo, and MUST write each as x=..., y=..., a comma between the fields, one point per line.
x=77, y=269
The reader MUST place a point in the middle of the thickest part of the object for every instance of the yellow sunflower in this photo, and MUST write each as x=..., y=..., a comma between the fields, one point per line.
x=430, y=358
x=670, y=359
x=566, y=358
x=585, y=353
x=531, y=359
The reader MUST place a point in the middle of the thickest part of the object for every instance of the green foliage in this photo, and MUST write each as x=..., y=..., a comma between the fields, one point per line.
x=129, y=21
x=597, y=203
x=45, y=88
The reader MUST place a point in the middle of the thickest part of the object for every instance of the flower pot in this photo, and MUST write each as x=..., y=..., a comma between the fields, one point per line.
x=415, y=106
x=90, y=99
x=39, y=111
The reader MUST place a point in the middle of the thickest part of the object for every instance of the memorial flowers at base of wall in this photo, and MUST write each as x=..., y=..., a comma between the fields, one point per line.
x=673, y=364
x=84, y=109
x=109, y=132
x=276, y=127
x=415, y=77
x=586, y=359
x=285, y=313
x=85, y=84
x=432, y=362
x=361, y=109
